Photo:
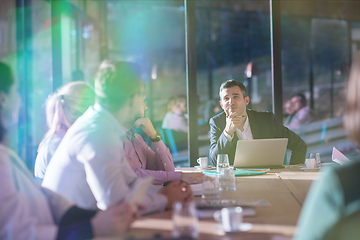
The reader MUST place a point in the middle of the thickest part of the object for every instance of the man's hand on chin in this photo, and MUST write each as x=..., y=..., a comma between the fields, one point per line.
x=146, y=126
x=233, y=122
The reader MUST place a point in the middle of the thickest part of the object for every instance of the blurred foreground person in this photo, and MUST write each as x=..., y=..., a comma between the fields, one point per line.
x=332, y=207
x=29, y=211
x=62, y=109
x=89, y=167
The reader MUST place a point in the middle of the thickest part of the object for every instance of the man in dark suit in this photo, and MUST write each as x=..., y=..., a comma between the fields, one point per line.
x=237, y=122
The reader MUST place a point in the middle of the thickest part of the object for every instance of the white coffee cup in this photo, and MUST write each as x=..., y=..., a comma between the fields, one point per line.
x=231, y=218
x=202, y=161
x=310, y=163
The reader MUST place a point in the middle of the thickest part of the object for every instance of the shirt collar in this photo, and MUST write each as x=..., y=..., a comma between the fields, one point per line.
x=131, y=133
x=246, y=124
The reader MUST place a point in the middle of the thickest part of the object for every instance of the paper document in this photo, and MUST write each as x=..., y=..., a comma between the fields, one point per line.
x=196, y=189
x=339, y=157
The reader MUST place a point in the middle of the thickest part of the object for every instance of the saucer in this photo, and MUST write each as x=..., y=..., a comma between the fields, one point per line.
x=204, y=168
x=244, y=227
x=309, y=169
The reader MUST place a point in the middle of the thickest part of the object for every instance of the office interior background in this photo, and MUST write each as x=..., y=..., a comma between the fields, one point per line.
x=50, y=43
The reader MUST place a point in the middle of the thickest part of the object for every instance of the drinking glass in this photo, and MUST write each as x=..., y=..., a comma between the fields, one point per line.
x=185, y=220
x=210, y=187
x=222, y=162
x=227, y=179
x=316, y=156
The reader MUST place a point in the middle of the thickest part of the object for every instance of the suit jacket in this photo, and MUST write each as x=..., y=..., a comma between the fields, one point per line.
x=263, y=125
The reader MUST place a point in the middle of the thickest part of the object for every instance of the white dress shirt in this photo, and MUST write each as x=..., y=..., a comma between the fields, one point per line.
x=89, y=166
x=242, y=135
x=27, y=211
x=46, y=152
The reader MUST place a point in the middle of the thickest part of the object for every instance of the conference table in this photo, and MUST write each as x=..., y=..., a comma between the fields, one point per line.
x=284, y=190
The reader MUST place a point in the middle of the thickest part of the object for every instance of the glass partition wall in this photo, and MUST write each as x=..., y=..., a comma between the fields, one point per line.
x=232, y=42
x=318, y=43
x=69, y=39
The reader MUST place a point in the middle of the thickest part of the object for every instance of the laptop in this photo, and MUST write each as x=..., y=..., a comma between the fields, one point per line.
x=260, y=153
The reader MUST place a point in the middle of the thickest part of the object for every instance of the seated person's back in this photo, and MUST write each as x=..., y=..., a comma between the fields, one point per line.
x=331, y=204
x=62, y=109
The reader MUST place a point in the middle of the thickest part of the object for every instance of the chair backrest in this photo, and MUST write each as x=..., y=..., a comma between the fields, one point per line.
x=168, y=139
x=174, y=140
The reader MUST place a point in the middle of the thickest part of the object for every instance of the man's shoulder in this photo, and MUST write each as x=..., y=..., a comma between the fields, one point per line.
x=218, y=117
x=306, y=110
x=352, y=168
x=259, y=114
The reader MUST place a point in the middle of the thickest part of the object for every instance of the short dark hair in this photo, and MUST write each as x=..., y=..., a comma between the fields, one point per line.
x=116, y=82
x=301, y=97
x=6, y=81
x=231, y=83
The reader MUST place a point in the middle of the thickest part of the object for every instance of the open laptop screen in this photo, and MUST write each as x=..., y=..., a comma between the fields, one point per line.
x=260, y=153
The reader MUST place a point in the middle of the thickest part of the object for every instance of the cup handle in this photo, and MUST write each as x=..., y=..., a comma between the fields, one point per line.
x=198, y=160
x=217, y=216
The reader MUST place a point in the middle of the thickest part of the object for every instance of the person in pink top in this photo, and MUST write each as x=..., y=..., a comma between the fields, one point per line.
x=146, y=162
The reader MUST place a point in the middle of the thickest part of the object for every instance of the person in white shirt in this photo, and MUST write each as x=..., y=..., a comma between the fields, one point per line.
x=29, y=211
x=89, y=167
x=62, y=109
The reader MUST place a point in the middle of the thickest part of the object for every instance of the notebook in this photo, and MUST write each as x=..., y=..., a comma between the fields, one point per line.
x=260, y=153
